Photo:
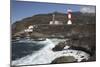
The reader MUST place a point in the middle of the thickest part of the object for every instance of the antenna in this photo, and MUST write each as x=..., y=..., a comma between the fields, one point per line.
x=53, y=18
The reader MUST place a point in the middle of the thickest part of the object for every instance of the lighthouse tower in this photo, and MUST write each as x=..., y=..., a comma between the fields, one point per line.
x=69, y=15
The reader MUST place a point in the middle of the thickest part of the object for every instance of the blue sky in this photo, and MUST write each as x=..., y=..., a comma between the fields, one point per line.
x=20, y=9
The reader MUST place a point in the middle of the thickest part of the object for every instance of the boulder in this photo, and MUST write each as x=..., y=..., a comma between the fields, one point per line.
x=63, y=59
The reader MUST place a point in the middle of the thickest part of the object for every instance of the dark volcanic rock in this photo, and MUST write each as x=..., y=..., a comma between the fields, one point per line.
x=86, y=44
x=59, y=47
x=92, y=58
x=64, y=59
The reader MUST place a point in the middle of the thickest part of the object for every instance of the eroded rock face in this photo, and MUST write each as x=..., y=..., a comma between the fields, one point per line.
x=86, y=44
x=63, y=59
x=59, y=47
x=92, y=58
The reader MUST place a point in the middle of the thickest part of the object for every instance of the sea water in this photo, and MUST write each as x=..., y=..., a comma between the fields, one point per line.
x=40, y=52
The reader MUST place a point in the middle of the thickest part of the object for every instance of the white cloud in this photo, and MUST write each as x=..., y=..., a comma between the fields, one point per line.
x=88, y=9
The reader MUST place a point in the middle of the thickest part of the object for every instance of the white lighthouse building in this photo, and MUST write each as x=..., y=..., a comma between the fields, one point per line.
x=69, y=15
x=55, y=22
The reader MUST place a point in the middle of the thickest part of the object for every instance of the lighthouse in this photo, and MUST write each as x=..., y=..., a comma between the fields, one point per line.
x=69, y=15
x=55, y=21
